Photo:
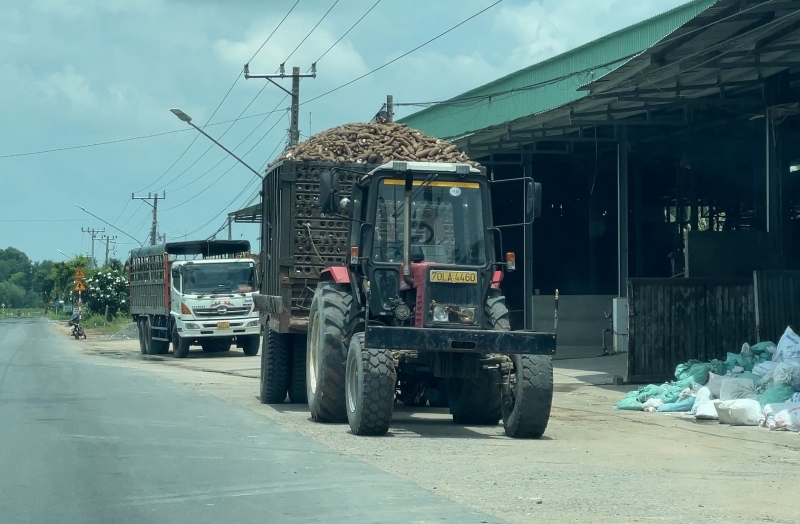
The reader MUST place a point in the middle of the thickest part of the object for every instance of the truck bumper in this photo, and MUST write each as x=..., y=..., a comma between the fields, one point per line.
x=461, y=340
x=208, y=328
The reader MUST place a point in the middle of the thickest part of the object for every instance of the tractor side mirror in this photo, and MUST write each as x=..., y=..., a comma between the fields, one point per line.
x=533, y=203
x=329, y=191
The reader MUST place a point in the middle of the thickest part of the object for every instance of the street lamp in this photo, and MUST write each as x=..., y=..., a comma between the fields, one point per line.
x=65, y=255
x=186, y=118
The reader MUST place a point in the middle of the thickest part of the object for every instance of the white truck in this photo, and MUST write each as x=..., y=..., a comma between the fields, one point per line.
x=194, y=293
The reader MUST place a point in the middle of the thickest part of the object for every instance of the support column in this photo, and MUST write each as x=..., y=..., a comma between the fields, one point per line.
x=773, y=177
x=622, y=211
x=527, y=170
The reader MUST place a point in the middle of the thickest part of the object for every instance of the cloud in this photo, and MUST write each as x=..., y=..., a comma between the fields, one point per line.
x=69, y=84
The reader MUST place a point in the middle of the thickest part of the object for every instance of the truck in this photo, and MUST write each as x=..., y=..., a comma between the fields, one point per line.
x=382, y=282
x=194, y=293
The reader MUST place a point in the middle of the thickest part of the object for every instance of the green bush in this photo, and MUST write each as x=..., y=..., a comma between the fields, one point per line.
x=107, y=288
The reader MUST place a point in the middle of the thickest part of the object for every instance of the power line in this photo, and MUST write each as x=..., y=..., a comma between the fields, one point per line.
x=312, y=30
x=273, y=31
x=348, y=31
x=403, y=55
x=95, y=144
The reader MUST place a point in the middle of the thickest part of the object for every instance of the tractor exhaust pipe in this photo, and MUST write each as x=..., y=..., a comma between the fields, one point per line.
x=409, y=185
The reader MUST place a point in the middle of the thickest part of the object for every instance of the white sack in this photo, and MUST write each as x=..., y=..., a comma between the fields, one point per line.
x=714, y=383
x=705, y=410
x=788, y=419
x=764, y=368
x=741, y=412
x=653, y=403
x=703, y=395
x=770, y=410
x=736, y=388
x=788, y=347
x=746, y=352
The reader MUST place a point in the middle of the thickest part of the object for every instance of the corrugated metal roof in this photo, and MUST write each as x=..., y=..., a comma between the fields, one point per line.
x=551, y=83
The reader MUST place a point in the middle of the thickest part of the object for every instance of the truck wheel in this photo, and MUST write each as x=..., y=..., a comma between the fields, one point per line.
x=328, y=338
x=274, y=367
x=142, y=345
x=180, y=346
x=250, y=344
x=528, y=397
x=297, y=379
x=370, y=390
x=475, y=401
x=153, y=348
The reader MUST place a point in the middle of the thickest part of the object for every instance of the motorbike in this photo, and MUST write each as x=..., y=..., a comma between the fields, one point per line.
x=77, y=329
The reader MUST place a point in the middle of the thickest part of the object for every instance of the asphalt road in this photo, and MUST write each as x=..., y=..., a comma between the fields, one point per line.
x=85, y=441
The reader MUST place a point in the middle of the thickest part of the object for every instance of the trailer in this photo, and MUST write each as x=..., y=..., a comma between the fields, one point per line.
x=382, y=283
x=194, y=293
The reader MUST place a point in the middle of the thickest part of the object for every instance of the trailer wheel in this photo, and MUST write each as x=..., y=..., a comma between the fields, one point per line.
x=328, y=338
x=475, y=401
x=249, y=344
x=298, y=393
x=274, y=367
x=180, y=346
x=528, y=396
x=142, y=344
x=370, y=390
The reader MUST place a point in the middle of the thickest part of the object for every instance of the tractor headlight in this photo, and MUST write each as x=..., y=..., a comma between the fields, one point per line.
x=440, y=314
x=467, y=315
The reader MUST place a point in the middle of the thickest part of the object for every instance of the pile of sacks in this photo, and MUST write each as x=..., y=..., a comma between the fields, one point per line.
x=760, y=385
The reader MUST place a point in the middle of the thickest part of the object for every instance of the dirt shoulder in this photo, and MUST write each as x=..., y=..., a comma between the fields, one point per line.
x=594, y=464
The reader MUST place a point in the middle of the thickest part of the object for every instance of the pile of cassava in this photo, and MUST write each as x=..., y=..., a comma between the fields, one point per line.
x=375, y=143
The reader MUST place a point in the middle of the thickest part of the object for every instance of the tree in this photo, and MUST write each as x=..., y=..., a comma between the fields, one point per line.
x=107, y=288
x=12, y=295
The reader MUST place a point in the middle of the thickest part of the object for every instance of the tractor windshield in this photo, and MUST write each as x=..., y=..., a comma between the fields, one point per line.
x=220, y=277
x=447, y=225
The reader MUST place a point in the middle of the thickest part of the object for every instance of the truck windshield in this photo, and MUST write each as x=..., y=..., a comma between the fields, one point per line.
x=447, y=224
x=223, y=277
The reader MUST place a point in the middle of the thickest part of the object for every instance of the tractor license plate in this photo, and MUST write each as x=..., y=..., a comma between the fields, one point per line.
x=223, y=325
x=440, y=276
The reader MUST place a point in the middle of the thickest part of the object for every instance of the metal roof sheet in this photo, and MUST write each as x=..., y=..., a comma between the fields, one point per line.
x=551, y=83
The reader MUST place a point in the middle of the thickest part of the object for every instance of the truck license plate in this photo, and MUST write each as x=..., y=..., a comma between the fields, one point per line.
x=454, y=277
x=223, y=325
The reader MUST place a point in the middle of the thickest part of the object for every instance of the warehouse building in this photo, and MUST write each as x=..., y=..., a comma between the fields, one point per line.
x=666, y=153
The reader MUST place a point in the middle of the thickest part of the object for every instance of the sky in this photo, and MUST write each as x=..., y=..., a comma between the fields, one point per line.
x=82, y=72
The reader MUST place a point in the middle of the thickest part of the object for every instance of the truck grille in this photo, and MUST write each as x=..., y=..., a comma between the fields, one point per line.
x=237, y=311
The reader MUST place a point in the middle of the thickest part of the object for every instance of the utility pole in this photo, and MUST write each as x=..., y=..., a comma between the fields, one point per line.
x=154, y=204
x=230, y=231
x=108, y=240
x=294, y=129
x=94, y=232
x=389, y=108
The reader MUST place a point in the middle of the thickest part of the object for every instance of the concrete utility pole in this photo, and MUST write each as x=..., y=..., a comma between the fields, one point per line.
x=94, y=233
x=230, y=231
x=154, y=197
x=108, y=240
x=294, y=129
x=389, y=108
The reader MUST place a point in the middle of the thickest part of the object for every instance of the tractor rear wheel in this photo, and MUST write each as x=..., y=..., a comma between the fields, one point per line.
x=371, y=380
x=274, y=378
x=330, y=320
x=528, y=396
x=297, y=378
x=475, y=401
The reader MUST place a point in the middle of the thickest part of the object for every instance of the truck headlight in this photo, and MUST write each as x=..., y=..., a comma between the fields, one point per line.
x=189, y=325
x=440, y=314
x=467, y=315
x=252, y=323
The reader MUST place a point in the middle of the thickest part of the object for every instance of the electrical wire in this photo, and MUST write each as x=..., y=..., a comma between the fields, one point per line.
x=404, y=54
x=273, y=31
x=95, y=144
x=346, y=32
x=312, y=30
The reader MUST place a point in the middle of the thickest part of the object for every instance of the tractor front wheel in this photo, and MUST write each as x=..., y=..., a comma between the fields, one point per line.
x=370, y=389
x=527, y=396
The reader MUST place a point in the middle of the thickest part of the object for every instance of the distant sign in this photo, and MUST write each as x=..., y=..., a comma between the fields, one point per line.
x=67, y=308
x=79, y=274
x=79, y=286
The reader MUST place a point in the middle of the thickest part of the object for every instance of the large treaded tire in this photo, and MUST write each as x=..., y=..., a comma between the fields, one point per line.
x=370, y=390
x=274, y=367
x=329, y=334
x=180, y=346
x=298, y=393
x=475, y=401
x=153, y=346
x=249, y=344
x=142, y=344
x=528, y=399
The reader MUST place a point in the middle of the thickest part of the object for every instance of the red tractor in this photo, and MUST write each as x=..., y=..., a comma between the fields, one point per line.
x=382, y=283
